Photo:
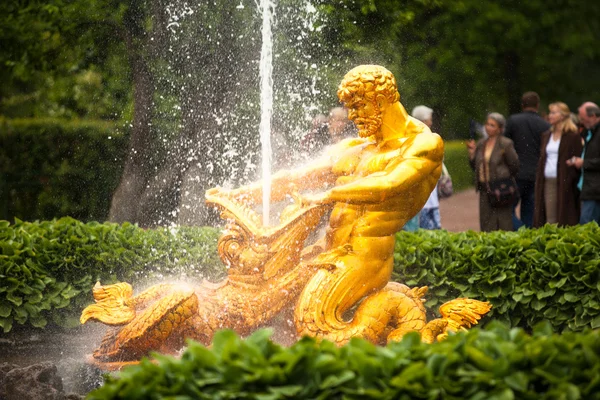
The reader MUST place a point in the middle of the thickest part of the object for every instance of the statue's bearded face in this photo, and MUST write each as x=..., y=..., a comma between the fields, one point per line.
x=366, y=116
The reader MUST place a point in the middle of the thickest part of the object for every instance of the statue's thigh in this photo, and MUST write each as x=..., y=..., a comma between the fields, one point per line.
x=356, y=277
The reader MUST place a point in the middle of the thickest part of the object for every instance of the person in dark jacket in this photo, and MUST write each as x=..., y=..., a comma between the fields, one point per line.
x=589, y=163
x=556, y=193
x=493, y=158
x=525, y=130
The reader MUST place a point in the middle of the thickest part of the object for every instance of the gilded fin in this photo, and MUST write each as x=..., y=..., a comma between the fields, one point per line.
x=110, y=307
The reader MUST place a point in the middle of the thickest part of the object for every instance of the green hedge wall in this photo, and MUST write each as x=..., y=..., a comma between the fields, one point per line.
x=529, y=276
x=456, y=158
x=53, y=168
x=47, y=269
x=492, y=364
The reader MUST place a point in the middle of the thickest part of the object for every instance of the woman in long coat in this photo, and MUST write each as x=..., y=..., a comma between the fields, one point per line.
x=493, y=158
x=556, y=193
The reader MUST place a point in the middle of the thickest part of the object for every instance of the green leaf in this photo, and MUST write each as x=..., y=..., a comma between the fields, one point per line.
x=5, y=309
x=517, y=381
x=557, y=283
x=6, y=324
x=287, y=391
x=16, y=300
x=571, y=297
x=504, y=394
x=337, y=380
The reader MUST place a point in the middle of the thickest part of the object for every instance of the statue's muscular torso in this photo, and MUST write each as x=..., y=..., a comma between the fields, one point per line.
x=381, y=219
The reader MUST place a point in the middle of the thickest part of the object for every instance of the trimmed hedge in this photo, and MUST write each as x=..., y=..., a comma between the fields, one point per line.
x=50, y=265
x=495, y=363
x=529, y=276
x=547, y=274
x=53, y=168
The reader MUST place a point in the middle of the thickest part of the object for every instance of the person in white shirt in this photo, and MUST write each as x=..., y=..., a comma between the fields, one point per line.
x=556, y=194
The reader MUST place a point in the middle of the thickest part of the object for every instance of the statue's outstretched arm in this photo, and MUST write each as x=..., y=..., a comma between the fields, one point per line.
x=285, y=182
x=420, y=160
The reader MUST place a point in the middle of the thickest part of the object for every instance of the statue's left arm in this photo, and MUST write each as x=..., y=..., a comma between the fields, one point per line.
x=416, y=162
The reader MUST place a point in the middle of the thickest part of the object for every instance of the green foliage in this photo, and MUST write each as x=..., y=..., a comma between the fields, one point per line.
x=495, y=363
x=55, y=168
x=61, y=59
x=47, y=269
x=467, y=58
x=548, y=274
x=456, y=159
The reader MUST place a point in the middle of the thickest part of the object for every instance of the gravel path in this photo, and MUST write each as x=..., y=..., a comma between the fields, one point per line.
x=460, y=212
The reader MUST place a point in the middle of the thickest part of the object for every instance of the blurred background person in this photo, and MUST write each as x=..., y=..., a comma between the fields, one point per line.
x=556, y=193
x=429, y=216
x=339, y=126
x=493, y=158
x=589, y=163
x=327, y=130
x=525, y=130
x=317, y=138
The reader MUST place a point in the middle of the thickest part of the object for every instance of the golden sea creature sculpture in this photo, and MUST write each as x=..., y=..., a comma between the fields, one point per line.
x=338, y=287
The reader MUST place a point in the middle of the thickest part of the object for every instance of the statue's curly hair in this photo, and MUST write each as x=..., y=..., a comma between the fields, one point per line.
x=367, y=81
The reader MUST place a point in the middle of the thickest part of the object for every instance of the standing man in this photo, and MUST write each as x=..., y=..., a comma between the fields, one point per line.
x=589, y=163
x=525, y=130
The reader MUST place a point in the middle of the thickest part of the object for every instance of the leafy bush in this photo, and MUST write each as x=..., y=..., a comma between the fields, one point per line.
x=53, y=168
x=529, y=276
x=54, y=264
x=456, y=159
x=496, y=363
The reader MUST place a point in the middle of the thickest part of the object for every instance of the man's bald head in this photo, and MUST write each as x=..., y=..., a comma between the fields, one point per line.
x=584, y=116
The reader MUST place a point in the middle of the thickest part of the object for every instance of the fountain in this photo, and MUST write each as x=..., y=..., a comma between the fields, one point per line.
x=266, y=105
x=338, y=286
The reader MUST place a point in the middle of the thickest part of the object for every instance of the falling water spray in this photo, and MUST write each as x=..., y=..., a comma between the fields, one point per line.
x=266, y=103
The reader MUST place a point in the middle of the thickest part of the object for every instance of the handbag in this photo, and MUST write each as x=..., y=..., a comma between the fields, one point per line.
x=501, y=192
x=445, y=188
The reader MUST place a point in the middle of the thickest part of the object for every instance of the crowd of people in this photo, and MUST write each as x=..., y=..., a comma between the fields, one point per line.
x=529, y=170
x=547, y=168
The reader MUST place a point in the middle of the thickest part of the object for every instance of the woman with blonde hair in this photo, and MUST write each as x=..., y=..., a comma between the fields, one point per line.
x=556, y=193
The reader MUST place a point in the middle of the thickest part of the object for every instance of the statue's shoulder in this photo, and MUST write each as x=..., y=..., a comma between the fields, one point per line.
x=428, y=139
x=425, y=143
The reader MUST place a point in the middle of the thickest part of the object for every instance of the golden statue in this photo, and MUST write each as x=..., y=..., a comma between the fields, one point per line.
x=339, y=287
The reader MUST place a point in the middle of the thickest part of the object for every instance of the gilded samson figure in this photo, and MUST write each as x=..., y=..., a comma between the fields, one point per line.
x=338, y=287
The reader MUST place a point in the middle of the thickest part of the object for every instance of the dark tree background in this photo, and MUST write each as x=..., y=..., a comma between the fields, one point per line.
x=183, y=77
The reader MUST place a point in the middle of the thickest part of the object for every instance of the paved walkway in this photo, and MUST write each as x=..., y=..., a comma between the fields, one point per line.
x=460, y=212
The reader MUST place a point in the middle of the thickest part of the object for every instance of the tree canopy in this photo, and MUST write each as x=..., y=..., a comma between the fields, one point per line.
x=184, y=77
x=465, y=58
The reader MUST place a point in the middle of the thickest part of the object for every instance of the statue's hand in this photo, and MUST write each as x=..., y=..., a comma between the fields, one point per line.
x=317, y=198
x=217, y=192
